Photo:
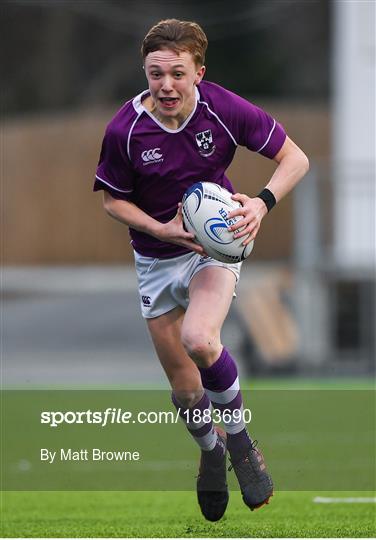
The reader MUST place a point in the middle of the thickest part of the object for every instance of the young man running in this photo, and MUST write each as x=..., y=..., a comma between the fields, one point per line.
x=177, y=132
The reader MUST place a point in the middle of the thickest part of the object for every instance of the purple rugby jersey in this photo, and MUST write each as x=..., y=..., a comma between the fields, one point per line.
x=144, y=162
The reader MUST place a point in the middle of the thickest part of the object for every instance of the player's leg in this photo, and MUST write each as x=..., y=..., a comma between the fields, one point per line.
x=187, y=392
x=210, y=295
x=184, y=376
x=181, y=371
x=157, y=279
x=192, y=402
x=210, y=292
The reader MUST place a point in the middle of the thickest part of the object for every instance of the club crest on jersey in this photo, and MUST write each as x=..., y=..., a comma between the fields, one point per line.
x=204, y=141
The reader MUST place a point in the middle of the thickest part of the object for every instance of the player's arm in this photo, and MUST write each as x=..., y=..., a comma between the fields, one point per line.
x=292, y=166
x=131, y=215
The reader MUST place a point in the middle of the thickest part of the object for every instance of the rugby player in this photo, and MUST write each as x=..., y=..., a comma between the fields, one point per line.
x=181, y=130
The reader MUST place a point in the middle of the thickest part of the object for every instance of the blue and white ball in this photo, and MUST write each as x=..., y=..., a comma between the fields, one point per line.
x=206, y=206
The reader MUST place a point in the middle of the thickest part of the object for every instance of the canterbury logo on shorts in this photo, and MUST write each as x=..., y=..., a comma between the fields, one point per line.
x=146, y=300
x=152, y=156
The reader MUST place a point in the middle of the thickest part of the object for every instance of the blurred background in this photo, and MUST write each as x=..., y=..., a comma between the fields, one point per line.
x=306, y=300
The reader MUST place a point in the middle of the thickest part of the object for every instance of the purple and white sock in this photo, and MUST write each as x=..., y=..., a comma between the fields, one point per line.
x=221, y=385
x=199, y=424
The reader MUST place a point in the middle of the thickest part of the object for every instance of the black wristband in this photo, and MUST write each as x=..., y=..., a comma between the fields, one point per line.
x=267, y=196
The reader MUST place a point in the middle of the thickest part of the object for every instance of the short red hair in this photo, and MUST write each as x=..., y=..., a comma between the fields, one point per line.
x=179, y=36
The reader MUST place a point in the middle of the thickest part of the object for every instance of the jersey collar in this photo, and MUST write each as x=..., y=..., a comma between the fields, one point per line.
x=139, y=108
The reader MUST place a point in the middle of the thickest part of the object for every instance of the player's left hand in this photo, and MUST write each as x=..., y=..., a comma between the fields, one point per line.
x=252, y=210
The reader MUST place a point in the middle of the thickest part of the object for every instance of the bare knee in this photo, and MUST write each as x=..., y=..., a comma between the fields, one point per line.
x=186, y=385
x=188, y=398
x=202, y=347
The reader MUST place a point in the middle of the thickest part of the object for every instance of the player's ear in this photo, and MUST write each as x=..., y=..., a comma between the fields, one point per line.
x=200, y=74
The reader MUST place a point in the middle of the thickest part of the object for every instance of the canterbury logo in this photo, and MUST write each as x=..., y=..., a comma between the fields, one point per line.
x=146, y=300
x=152, y=155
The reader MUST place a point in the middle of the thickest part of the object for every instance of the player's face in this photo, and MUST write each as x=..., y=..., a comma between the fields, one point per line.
x=172, y=80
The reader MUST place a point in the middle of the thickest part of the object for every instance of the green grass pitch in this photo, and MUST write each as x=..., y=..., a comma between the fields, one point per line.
x=176, y=514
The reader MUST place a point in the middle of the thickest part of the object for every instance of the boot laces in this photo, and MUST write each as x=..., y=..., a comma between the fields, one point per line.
x=252, y=448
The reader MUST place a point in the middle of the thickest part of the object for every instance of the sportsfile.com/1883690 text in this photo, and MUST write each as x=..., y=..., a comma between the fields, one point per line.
x=113, y=415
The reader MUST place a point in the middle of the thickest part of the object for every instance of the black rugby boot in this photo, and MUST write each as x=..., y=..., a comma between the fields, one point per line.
x=212, y=491
x=255, y=482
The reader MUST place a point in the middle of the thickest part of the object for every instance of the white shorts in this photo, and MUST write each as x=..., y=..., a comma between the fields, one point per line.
x=163, y=283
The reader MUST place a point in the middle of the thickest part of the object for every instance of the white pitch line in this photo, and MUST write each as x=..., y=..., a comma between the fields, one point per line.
x=349, y=500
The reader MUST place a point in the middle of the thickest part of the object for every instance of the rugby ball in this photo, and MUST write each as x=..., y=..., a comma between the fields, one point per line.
x=205, y=208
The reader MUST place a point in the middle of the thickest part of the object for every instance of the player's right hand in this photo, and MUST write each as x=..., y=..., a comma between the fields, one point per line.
x=173, y=232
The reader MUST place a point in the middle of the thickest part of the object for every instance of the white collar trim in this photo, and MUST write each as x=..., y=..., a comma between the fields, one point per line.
x=139, y=108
